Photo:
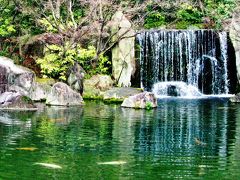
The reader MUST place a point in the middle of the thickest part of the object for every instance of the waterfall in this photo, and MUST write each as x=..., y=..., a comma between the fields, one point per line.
x=197, y=57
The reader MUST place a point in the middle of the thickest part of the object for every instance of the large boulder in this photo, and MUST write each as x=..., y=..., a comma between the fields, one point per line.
x=16, y=101
x=75, y=78
x=234, y=32
x=41, y=88
x=62, y=95
x=145, y=100
x=14, y=77
x=123, y=60
x=119, y=94
x=96, y=85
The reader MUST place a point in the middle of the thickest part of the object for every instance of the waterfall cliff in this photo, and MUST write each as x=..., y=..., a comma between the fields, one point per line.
x=197, y=57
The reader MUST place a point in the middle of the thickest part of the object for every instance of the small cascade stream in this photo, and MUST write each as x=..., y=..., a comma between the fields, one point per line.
x=197, y=57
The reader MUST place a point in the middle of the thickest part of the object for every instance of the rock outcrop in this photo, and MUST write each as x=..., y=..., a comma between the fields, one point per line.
x=96, y=86
x=16, y=101
x=145, y=100
x=40, y=89
x=119, y=94
x=234, y=32
x=62, y=95
x=123, y=61
x=75, y=78
x=14, y=77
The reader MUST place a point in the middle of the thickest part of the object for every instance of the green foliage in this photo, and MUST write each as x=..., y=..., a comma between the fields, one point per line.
x=154, y=20
x=189, y=14
x=85, y=56
x=186, y=25
x=47, y=25
x=7, y=28
x=202, y=14
x=26, y=99
x=58, y=59
x=149, y=106
x=219, y=11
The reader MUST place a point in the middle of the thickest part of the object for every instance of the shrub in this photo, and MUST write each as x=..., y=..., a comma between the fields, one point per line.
x=58, y=59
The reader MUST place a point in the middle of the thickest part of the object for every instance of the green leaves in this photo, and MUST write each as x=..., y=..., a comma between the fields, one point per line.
x=58, y=59
x=6, y=27
x=189, y=13
x=201, y=14
x=220, y=10
x=154, y=20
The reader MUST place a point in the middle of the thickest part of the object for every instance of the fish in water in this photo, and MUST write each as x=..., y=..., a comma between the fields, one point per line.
x=27, y=148
x=112, y=163
x=198, y=142
x=48, y=165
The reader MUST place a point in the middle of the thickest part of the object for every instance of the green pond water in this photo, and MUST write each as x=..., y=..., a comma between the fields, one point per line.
x=183, y=139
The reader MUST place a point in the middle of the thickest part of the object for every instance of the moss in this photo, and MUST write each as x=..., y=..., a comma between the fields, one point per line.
x=26, y=99
x=92, y=97
x=113, y=100
x=48, y=81
x=149, y=106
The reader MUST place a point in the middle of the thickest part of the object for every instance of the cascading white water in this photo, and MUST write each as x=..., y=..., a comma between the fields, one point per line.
x=197, y=57
x=174, y=88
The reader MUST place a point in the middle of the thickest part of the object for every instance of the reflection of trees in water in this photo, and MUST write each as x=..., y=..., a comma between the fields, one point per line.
x=185, y=127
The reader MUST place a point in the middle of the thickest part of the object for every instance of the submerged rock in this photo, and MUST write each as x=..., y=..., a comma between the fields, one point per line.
x=119, y=94
x=16, y=101
x=62, y=95
x=145, y=100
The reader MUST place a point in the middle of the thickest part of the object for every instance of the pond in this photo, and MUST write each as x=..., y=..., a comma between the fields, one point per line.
x=190, y=139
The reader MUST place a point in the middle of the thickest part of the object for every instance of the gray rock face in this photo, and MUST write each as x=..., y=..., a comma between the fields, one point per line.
x=234, y=32
x=62, y=95
x=143, y=100
x=96, y=85
x=40, y=91
x=75, y=78
x=14, y=100
x=101, y=82
x=14, y=77
x=120, y=93
x=123, y=61
x=41, y=88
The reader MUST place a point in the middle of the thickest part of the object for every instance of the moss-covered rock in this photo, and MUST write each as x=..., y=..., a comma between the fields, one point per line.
x=62, y=95
x=119, y=94
x=95, y=87
x=145, y=100
x=16, y=101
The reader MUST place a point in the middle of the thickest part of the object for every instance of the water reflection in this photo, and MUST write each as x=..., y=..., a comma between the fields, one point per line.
x=177, y=126
x=181, y=138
